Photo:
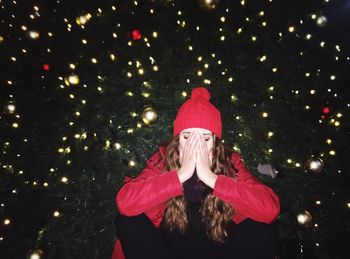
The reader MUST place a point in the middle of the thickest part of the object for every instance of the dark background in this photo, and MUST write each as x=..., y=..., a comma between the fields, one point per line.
x=66, y=147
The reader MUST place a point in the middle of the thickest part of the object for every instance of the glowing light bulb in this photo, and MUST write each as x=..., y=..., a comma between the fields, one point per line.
x=132, y=163
x=34, y=35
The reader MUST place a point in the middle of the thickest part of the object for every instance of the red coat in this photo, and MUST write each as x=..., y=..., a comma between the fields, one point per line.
x=148, y=192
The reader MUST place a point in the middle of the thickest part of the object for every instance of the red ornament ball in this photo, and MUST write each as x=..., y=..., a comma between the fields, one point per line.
x=326, y=110
x=136, y=35
x=46, y=67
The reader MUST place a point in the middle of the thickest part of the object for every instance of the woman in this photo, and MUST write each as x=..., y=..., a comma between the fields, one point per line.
x=196, y=199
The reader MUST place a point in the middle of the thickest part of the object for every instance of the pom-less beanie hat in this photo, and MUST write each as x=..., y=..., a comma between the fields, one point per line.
x=198, y=112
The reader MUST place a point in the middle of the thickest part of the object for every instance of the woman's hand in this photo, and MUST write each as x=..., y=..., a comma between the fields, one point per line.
x=203, y=163
x=188, y=158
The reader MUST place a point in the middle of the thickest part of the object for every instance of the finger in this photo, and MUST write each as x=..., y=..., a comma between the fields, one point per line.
x=180, y=155
x=204, y=150
x=200, y=153
x=194, y=142
x=190, y=145
x=194, y=147
x=202, y=144
x=188, y=142
x=205, y=146
x=192, y=134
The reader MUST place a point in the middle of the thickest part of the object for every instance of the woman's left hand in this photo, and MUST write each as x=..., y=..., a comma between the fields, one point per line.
x=203, y=163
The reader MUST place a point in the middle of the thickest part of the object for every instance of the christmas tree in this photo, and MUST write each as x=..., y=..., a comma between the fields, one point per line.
x=90, y=89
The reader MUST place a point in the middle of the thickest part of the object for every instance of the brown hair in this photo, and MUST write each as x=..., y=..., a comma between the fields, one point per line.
x=215, y=213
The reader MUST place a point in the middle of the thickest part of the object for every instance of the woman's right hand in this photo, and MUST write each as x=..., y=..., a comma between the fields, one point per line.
x=188, y=158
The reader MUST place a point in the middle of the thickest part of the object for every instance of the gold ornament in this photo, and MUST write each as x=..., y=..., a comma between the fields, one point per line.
x=72, y=79
x=33, y=35
x=1, y=39
x=304, y=218
x=35, y=254
x=208, y=4
x=321, y=21
x=10, y=107
x=149, y=115
x=314, y=165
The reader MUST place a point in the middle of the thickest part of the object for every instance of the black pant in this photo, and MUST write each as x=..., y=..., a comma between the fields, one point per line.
x=249, y=240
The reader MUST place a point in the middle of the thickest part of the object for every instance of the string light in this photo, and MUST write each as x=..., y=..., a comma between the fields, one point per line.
x=34, y=35
x=81, y=20
x=143, y=67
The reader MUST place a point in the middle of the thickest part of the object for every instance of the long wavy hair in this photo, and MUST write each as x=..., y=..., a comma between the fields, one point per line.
x=215, y=214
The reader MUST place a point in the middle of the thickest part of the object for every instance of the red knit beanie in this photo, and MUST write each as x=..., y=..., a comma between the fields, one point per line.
x=198, y=112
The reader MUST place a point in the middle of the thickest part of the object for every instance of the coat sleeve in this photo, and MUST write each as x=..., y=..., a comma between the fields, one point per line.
x=246, y=194
x=147, y=190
